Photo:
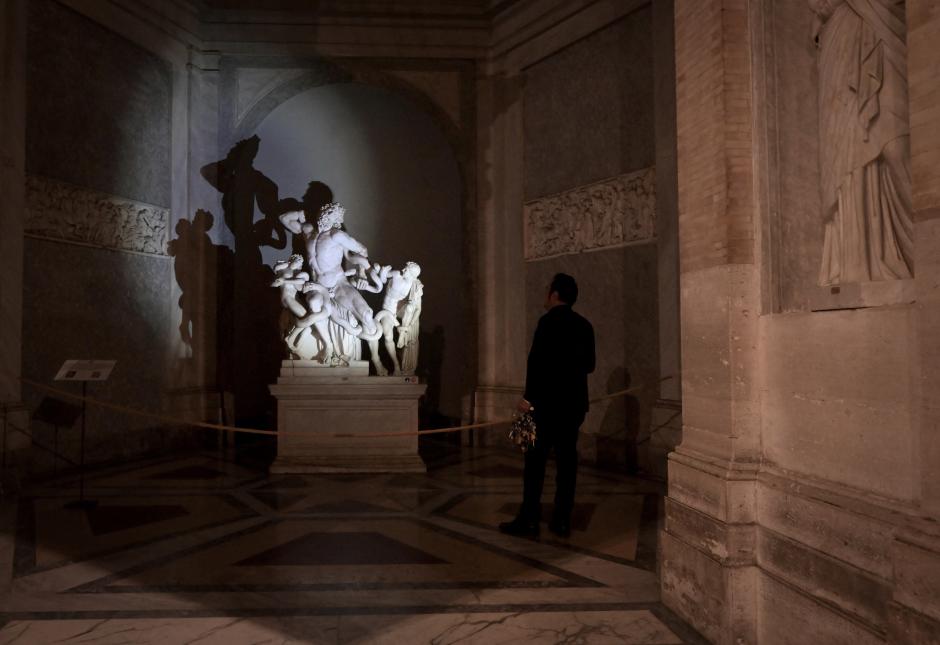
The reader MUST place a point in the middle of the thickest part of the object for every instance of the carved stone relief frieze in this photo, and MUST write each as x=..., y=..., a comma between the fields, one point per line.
x=606, y=214
x=61, y=211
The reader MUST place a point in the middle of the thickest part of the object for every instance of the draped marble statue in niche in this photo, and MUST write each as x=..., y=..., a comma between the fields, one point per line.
x=864, y=151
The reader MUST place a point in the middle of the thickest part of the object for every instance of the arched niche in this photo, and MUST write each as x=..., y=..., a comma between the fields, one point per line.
x=796, y=100
x=399, y=163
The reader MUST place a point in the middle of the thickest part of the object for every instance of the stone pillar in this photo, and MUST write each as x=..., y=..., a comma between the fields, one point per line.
x=708, y=568
x=666, y=419
x=923, y=18
x=12, y=217
x=501, y=267
x=914, y=613
x=667, y=211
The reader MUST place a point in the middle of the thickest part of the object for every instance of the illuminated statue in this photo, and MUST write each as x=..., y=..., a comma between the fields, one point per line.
x=409, y=329
x=401, y=308
x=335, y=308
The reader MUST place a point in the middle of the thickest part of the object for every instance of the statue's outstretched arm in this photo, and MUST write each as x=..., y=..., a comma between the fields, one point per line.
x=292, y=221
x=351, y=244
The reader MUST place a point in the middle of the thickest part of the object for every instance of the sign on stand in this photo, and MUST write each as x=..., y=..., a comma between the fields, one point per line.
x=84, y=371
x=78, y=370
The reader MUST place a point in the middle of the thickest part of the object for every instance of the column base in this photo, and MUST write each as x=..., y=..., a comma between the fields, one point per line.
x=709, y=574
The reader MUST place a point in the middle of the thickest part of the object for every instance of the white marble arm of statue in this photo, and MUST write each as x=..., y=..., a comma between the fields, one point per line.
x=298, y=280
x=351, y=244
x=293, y=221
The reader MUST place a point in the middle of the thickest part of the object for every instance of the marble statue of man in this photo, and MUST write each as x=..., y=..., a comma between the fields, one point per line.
x=398, y=304
x=864, y=140
x=327, y=246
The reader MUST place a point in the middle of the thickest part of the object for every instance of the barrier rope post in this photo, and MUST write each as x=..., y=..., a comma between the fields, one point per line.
x=6, y=422
x=82, y=503
x=81, y=454
x=3, y=459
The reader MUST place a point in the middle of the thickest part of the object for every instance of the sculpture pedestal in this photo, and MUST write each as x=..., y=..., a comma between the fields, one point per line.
x=315, y=402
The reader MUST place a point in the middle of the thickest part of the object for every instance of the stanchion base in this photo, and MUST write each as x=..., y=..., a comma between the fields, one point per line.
x=82, y=504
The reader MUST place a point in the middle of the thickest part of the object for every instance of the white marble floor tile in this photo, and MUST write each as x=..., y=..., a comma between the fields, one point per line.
x=588, y=628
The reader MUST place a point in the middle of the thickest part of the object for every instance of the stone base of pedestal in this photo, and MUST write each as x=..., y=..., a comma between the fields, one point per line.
x=314, y=404
x=349, y=464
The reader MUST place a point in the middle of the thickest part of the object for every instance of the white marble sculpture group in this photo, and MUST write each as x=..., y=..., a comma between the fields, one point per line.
x=330, y=315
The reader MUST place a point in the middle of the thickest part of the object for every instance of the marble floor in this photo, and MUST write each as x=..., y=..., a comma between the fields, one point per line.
x=203, y=549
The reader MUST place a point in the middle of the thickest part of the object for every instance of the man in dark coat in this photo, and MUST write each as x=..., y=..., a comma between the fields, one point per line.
x=556, y=392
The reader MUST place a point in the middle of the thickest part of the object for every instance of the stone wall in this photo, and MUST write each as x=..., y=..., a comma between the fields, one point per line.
x=96, y=277
x=588, y=124
x=797, y=508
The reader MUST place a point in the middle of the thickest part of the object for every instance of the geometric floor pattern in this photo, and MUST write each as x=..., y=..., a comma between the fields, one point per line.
x=199, y=549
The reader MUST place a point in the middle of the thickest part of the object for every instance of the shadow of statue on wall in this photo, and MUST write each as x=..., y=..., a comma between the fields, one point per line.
x=197, y=261
x=250, y=358
x=620, y=426
x=429, y=368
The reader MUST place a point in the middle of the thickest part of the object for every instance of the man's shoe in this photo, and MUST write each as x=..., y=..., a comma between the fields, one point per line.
x=561, y=529
x=520, y=528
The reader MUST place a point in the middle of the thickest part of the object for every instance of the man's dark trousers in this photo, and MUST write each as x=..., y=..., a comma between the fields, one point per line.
x=558, y=432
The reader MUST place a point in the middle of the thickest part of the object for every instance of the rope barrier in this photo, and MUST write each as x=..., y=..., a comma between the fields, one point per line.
x=40, y=445
x=346, y=435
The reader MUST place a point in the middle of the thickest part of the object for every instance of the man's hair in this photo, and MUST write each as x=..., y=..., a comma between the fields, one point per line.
x=331, y=216
x=566, y=288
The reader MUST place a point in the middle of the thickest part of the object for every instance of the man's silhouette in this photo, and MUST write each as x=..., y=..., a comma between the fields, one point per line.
x=556, y=393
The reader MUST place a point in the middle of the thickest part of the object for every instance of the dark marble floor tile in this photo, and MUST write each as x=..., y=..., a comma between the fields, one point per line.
x=109, y=519
x=411, y=481
x=278, y=500
x=350, y=506
x=291, y=481
x=366, y=548
x=497, y=471
x=189, y=472
x=581, y=514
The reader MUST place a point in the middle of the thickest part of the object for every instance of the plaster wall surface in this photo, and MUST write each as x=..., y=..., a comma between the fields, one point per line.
x=588, y=114
x=98, y=107
x=838, y=397
x=105, y=305
x=589, y=108
x=618, y=296
x=98, y=118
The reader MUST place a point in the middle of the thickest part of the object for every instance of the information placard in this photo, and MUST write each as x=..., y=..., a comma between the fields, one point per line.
x=84, y=370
